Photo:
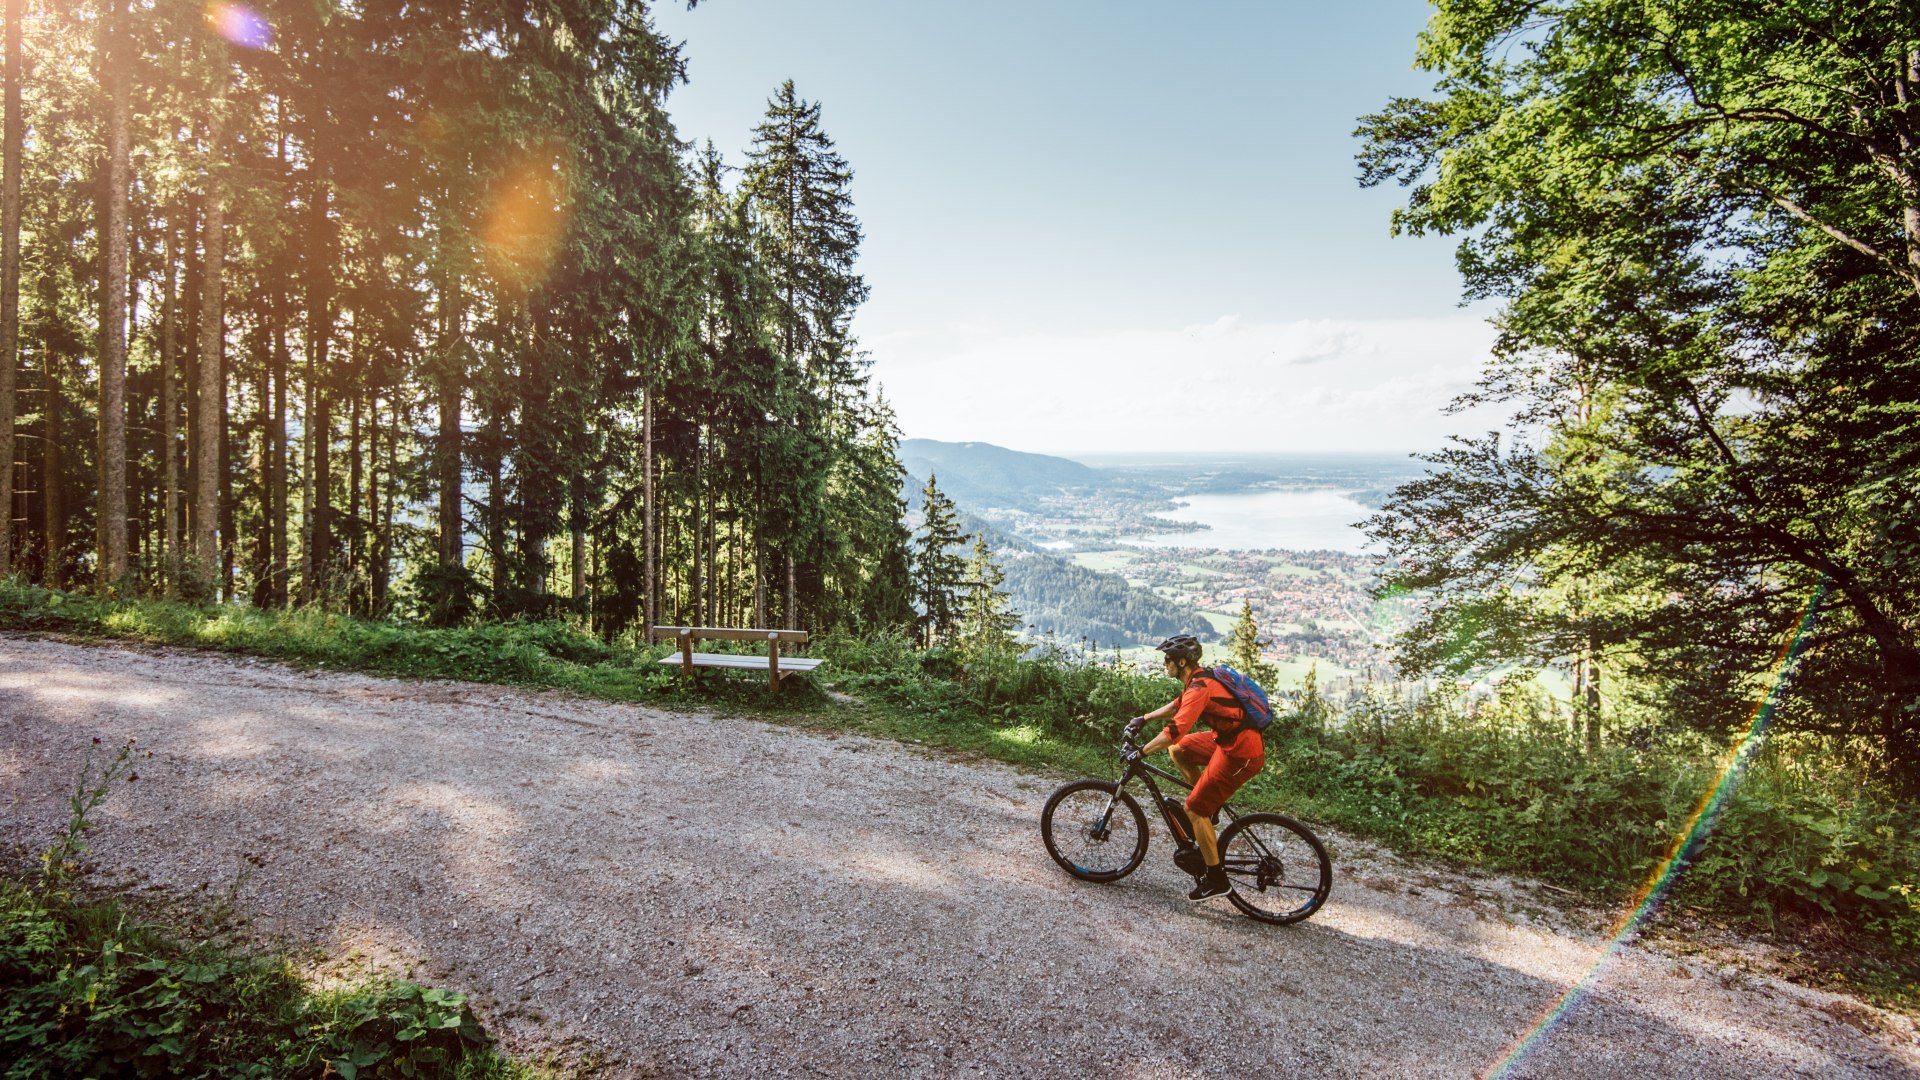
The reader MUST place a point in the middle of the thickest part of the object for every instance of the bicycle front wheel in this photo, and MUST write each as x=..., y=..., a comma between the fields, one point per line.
x=1280, y=871
x=1093, y=831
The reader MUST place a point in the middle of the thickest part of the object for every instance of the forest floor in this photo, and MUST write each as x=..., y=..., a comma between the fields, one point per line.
x=689, y=894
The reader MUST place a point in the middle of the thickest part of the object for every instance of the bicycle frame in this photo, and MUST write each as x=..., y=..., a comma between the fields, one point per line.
x=1174, y=814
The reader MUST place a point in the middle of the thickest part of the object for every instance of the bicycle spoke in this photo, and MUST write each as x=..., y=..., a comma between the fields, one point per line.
x=1280, y=873
x=1093, y=831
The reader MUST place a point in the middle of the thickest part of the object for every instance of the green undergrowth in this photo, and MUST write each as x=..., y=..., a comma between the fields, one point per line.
x=94, y=986
x=1807, y=846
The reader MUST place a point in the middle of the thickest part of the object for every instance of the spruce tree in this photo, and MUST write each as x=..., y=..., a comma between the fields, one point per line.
x=938, y=570
x=987, y=618
x=1244, y=646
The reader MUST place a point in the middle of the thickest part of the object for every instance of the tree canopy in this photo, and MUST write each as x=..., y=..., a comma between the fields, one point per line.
x=1703, y=220
x=431, y=311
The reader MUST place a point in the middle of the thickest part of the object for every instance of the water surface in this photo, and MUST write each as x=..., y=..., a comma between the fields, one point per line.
x=1256, y=520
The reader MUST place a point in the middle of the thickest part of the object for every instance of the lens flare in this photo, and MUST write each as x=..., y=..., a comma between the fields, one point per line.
x=240, y=25
x=1679, y=856
x=526, y=217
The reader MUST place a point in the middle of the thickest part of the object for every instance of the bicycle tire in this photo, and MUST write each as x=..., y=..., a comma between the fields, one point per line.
x=1071, y=842
x=1280, y=870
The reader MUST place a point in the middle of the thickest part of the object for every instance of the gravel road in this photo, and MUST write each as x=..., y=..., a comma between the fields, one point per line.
x=680, y=894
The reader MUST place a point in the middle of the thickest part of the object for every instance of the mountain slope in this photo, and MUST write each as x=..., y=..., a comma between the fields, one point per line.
x=982, y=475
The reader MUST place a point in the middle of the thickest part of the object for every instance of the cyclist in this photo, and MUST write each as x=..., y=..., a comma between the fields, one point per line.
x=1215, y=762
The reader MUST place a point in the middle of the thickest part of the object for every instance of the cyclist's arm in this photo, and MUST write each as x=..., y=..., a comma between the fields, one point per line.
x=1186, y=710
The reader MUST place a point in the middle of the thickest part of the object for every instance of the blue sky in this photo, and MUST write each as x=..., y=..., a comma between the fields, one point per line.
x=1116, y=225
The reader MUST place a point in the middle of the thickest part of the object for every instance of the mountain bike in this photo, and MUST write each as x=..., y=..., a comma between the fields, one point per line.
x=1096, y=831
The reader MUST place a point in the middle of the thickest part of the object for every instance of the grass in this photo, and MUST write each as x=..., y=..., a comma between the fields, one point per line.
x=1105, y=561
x=1805, y=849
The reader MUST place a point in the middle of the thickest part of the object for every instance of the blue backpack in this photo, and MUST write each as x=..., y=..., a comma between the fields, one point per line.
x=1252, y=699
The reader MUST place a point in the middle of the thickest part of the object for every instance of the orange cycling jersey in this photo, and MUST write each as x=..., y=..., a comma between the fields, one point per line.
x=1205, y=699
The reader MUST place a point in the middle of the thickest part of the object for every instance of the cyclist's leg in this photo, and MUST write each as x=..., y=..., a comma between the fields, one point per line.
x=1223, y=776
x=1191, y=755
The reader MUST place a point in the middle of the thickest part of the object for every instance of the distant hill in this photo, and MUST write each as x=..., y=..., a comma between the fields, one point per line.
x=982, y=475
x=1053, y=594
x=1056, y=596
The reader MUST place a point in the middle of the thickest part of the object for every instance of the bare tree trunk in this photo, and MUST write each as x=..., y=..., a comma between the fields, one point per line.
x=447, y=448
x=356, y=540
x=111, y=511
x=792, y=613
x=206, y=541
x=696, y=534
x=760, y=585
x=579, y=582
x=52, y=500
x=319, y=342
x=190, y=290
x=170, y=411
x=15, y=135
x=277, y=455
x=648, y=537
x=1578, y=702
x=497, y=505
x=229, y=536
x=383, y=561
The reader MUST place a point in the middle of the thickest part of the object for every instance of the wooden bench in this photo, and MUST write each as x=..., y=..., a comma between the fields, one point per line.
x=776, y=666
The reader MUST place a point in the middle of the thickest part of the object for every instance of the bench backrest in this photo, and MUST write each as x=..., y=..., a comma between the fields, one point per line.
x=668, y=633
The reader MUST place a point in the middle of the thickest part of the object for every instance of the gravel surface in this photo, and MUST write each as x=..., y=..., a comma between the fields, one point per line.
x=681, y=894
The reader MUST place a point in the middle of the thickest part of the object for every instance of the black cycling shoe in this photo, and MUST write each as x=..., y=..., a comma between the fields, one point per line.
x=1214, y=882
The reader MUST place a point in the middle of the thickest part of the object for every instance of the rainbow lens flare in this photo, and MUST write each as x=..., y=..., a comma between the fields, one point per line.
x=1684, y=848
x=240, y=25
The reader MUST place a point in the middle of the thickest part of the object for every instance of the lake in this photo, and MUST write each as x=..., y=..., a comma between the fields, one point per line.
x=1252, y=521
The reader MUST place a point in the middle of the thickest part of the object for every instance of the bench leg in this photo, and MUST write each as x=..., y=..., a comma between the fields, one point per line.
x=773, y=666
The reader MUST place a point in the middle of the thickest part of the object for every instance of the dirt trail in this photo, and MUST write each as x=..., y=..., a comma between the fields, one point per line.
x=681, y=894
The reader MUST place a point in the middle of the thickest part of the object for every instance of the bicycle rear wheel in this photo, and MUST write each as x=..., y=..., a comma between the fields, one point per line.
x=1280, y=871
x=1094, y=832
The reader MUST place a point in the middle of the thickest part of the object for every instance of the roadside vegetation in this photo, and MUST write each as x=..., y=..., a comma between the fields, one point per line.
x=97, y=987
x=1804, y=848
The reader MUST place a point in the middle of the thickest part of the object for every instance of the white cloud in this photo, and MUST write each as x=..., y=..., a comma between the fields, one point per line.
x=1226, y=385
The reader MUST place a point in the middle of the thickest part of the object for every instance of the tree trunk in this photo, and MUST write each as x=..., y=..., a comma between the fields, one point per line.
x=229, y=536
x=190, y=391
x=319, y=342
x=792, y=613
x=383, y=561
x=497, y=505
x=206, y=541
x=11, y=161
x=52, y=503
x=696, y=558
x=579, y=583
x=1578, y=701
x=1593, y=694
x=276, y=510
x=648, y=537
x=447, y=448
x=356, y=540
x=170, y=411
x=111, y=510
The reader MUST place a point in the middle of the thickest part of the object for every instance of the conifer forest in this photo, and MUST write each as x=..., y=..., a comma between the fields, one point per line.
x=427, y=311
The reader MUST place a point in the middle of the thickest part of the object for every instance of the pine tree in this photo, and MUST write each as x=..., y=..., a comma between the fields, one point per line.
x=938, y=571
x=1245, y=646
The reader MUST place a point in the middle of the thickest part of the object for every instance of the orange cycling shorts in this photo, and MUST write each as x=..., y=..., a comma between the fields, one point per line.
x=1226, y=769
